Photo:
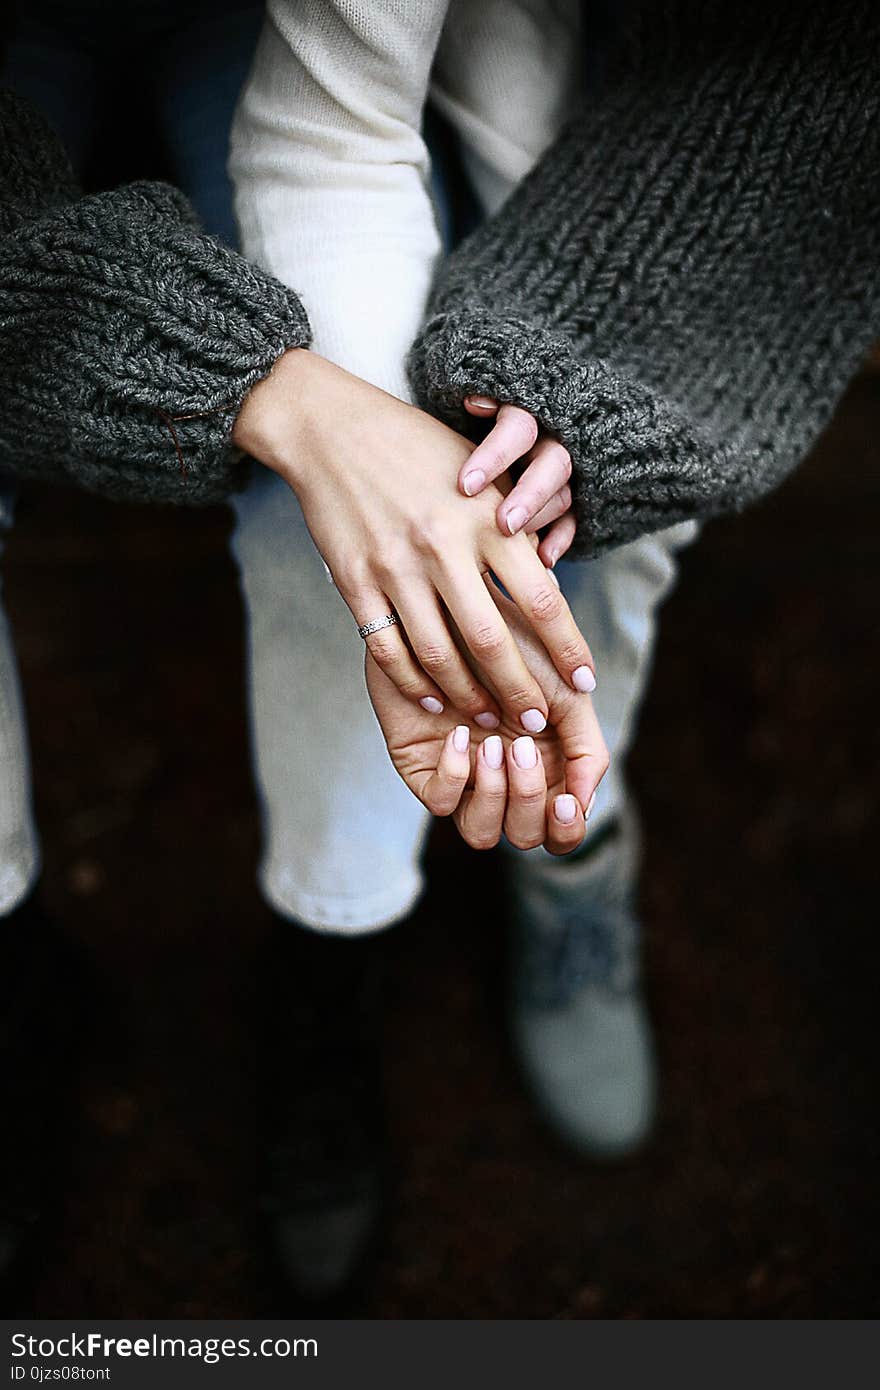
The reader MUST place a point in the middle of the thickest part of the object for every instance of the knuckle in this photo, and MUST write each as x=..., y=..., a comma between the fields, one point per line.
x=563, y=460
x=571, y=652
x=522, y=420
x=487, y=640
x=430, y=535
x=351, y=578
x=519, y=699
x=408, y=684
x=530, y=797
x=493, y=797
x=391, y=560
x=546, y=604
x=526, y=428
x=435, y=657
x=384, y=650
x=482, y=839
x=442, y=799
x=495, y=458
x=523, y=841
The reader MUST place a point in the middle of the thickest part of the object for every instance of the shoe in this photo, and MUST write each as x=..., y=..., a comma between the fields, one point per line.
x=579, y=1024
x=44, y=1009
x=324, y=1169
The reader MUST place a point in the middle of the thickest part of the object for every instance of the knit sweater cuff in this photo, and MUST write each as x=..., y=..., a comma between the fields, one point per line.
x=619, y=434
x=129, y=340
x=683, y=286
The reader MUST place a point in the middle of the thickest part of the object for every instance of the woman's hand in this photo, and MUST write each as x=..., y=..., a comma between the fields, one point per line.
x=541, y=496
x=376, y=481
x=536, y=790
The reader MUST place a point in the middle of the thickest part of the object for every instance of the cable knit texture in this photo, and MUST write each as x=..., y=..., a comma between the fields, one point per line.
x=128, y=339
x=683, y=286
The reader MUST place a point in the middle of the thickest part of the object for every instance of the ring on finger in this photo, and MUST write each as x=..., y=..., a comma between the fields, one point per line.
x=377, y=624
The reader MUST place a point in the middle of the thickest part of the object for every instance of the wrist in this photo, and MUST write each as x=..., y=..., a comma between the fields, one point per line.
x=278, y=414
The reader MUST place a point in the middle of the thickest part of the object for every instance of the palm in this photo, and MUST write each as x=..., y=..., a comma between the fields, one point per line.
x=415, y=738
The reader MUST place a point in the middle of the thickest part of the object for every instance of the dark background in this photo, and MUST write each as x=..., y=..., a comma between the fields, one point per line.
x=756, y=767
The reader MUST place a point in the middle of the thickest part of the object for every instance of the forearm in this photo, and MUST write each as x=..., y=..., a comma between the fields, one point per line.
x=128, y=340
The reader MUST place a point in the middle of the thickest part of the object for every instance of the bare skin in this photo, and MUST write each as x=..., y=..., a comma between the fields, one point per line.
x=539, y=790
x=541, y=497
x=377, y=482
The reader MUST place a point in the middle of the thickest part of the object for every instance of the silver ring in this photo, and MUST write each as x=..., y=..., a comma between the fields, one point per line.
x=390, y=620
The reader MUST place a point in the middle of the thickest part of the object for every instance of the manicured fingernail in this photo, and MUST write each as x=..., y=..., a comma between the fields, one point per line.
x=584, y=680
x=472, y=482
x=534, y=721
x=487, y=720
x=566, y=809
x=461, y=739
x=525, y=754
x=551, y=559
x=431, y=705
x=516, y=519
x=592, y=803
x=493, y=751
x=487, y=401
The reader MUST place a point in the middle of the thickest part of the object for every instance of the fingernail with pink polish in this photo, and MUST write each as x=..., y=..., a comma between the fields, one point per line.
x=472, y=482
x=525, y=754
x=566, y=809
x=534, y=721
x=431, y=705
x=493, y=752
x=487, y=720
x=516, y=519
x=583, y=679
x=461, y=738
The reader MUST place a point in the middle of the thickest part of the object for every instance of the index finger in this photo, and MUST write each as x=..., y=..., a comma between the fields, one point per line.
x=542, y=604
x=512, y=435
x=490, y=643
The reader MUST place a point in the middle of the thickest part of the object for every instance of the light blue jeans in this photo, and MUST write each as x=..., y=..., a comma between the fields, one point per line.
x=342, y=835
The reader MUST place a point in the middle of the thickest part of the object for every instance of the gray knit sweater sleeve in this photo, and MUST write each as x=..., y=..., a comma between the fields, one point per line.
x=128, y=339
x=684, y=285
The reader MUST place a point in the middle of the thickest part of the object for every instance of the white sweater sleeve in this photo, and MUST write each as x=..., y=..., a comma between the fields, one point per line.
x=330, y=172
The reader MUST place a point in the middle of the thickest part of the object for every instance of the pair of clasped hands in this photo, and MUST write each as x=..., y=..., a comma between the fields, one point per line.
x=483, y=699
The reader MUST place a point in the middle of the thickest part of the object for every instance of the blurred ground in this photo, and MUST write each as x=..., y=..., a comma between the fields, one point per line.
x=757, y=767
